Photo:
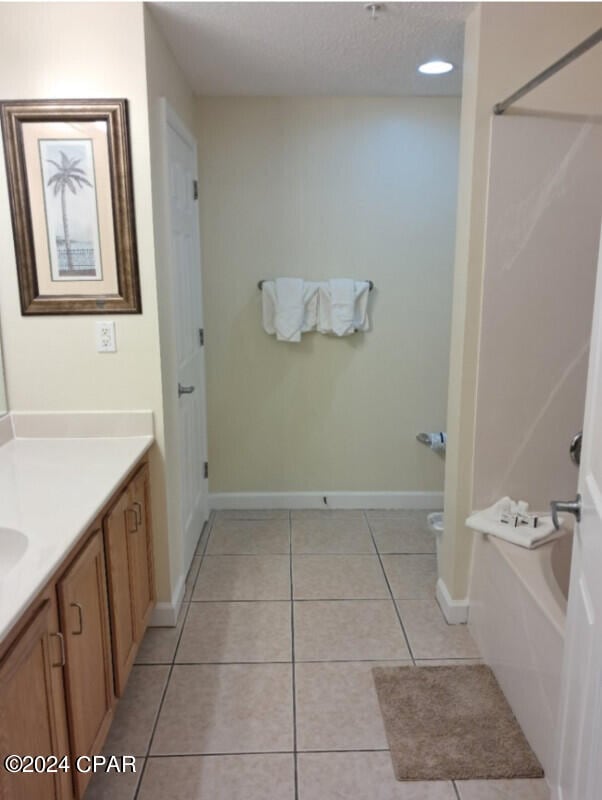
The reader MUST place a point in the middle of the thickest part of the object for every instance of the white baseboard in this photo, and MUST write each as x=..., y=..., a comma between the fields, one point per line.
x=454, y=611
x=165, y=615
x=428, y=501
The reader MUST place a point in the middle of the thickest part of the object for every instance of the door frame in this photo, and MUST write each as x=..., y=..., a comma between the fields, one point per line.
x=170, y=119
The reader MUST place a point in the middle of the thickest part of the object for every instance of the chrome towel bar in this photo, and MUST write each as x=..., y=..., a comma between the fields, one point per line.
x=370, y=285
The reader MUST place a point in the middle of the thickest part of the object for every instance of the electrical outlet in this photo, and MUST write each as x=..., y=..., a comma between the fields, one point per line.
x=105, y=337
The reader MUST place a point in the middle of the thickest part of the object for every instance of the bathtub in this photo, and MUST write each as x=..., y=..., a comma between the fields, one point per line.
x=518, y=601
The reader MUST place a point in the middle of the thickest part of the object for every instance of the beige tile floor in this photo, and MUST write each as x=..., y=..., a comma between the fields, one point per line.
x=263, y=690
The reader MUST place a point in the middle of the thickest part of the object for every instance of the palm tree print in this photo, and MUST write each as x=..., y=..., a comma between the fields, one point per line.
x=67, y=176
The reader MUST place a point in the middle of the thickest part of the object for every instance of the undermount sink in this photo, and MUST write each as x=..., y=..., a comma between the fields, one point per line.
x=13, y=545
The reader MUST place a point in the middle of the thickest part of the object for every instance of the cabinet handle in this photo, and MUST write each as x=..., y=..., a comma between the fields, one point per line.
x=81, y=619
x=138, y=506
x=61, y=639
x=132, y=511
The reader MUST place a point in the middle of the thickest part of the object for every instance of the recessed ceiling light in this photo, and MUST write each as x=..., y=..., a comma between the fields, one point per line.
x=435, y=67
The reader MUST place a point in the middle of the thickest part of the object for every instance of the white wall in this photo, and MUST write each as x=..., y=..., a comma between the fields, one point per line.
x=55, y=50
x=87, y=50
x=165, y=81
x=506, y=44
x=319, y=188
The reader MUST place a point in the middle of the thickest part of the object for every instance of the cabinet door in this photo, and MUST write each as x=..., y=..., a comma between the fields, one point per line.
x=141, y=552
x=32, y=708
x=119, y=528
x=88, y=672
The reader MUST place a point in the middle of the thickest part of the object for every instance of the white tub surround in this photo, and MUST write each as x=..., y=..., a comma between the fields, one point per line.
x=51, y=489
x=517, y=617
x=6, y=429
x=543, y=211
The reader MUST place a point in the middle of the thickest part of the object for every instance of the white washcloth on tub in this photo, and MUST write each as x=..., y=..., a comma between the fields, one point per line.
x=290, y=308
x=343, y=306
x=488, y=521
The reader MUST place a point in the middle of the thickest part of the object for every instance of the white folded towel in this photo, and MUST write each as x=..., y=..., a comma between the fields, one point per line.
x=343, y=306
x=290, y=308
x=488, y=521
x=362, y=290
x=310, y=299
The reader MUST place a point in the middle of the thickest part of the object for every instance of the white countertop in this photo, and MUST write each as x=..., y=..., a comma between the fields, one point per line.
x=51, y=490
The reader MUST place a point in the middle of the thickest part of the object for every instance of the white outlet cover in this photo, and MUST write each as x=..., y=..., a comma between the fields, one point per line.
x=105, y=337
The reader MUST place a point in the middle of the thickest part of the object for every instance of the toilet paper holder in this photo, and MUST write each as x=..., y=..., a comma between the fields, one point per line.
x=436, y=440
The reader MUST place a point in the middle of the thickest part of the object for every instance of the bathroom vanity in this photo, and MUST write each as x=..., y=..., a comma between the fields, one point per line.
x=75, y=605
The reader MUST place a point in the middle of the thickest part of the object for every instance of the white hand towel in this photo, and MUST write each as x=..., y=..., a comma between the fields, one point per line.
x=488, y=521
x=310, y=301
x=289, y=307
x=361, y=321
x=343, y=307
x=324, y=309
x=268, y=306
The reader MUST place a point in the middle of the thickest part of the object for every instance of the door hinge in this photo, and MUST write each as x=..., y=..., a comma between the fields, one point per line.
x=206, y=469
x=202, y=337
x=195, y=190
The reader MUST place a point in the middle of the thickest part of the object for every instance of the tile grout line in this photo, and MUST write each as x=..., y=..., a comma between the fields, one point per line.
x=382, y=566
x=306, y=600
x=299, y=661
x=337, y=553
x=266, y=753
x=172, y=664
x=290, y=534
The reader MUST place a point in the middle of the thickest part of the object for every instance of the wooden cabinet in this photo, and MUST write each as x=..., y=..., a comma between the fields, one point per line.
x=83, y=608
x=32, y=707
x=62, y=666
x=123, y=629
x=142, y=578
x=129, y=555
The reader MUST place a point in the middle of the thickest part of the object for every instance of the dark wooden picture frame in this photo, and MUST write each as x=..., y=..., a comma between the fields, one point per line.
x=84, y=189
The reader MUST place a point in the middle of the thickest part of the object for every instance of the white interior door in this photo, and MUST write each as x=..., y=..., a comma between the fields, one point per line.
x=185, y=252
x=580, y=739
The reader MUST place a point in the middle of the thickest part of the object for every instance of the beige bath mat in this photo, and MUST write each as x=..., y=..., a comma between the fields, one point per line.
x=451, y=722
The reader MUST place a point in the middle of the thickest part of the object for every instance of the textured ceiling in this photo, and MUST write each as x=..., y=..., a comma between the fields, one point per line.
x=314, y=48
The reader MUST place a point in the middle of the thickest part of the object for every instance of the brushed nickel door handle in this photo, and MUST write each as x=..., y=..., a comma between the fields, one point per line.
x=568, y=506
x=81, y=619
x=575, y=448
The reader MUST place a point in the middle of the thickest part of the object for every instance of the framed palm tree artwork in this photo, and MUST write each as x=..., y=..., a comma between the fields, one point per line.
x=70, y=185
